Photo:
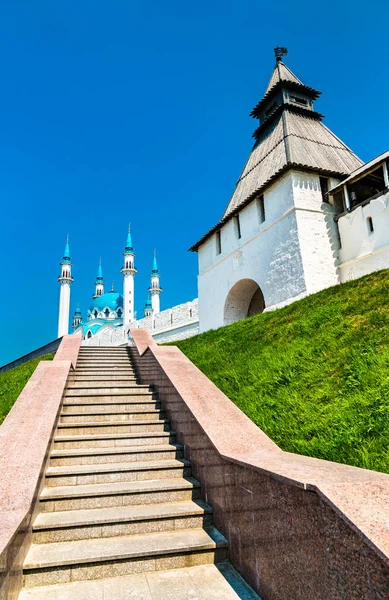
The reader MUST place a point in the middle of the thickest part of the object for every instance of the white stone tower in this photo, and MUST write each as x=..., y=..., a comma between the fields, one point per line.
x=155, y=288
x=65, y=279
x=99, y=283
x=128, y=271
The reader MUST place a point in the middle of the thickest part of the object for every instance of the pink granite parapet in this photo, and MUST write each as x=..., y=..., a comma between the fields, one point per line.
x=25, y=440
x=298, y=527
x=142, y=339
x=69, y=349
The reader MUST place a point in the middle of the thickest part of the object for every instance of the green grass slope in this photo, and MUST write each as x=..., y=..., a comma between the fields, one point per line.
x=13, y=381
x=314, y=375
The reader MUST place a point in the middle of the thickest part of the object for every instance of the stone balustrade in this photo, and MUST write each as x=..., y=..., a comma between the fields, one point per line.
x=25, y=441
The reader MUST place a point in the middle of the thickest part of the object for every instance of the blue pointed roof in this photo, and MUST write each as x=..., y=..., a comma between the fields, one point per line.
x=155, y=265
x=66, y=254
x=77, y=312
x=100, y=272
x=128, y=247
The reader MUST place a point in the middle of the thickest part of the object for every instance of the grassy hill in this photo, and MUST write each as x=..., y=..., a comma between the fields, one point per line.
x=13, y=381
x=314, y=375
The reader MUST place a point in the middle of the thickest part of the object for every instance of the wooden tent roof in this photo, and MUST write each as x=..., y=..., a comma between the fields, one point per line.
x=292, y=137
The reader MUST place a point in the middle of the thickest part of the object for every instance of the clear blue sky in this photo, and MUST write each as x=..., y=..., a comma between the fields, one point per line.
x=138, y=111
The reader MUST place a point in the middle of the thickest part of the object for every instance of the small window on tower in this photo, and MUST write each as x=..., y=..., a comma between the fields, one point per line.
x=370, y=225
x=237, y=227
x=324, y=189
x=297, y=100
x=261, y=208
x=218, y=243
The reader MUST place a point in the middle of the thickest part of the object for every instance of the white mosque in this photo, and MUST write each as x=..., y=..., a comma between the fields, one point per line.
x=111, y=314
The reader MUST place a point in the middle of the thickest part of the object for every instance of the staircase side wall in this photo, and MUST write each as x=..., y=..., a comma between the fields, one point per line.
x=297, y=527
x=25, y=440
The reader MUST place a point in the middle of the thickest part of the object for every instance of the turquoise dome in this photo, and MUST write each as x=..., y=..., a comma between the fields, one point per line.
x=112, y=300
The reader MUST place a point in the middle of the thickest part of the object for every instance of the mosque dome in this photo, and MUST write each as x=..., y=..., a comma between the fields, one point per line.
x=110, y=300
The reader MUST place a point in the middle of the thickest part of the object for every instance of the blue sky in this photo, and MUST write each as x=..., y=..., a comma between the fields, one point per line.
x=138, y=111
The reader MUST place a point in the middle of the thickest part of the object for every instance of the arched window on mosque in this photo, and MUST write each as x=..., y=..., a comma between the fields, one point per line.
x=106, y=312
x=89, y=334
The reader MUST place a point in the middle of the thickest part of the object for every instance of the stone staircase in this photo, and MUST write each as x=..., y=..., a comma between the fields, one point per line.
x=119, y=515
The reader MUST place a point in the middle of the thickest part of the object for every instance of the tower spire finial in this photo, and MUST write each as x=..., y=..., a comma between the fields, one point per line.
x=279, y=52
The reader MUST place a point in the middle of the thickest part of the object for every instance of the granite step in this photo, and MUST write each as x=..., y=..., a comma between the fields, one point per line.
x=89, y=456
x=130, y=493
x=108, y=378
x=87, y=428
x=96, y=407
x=107, y=391
x=204, y=582
x=115, y=472
x=116, y=521
x=115, y=440
x=62, y=562
x=105, y=415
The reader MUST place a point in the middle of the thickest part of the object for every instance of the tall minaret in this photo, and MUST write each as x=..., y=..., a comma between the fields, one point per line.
x=65, y=279
x=128, y=272
x=77, y=317
x=155, y=288
x=99, y=283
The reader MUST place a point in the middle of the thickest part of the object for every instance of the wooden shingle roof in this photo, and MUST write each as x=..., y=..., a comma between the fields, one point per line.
x=291, y=138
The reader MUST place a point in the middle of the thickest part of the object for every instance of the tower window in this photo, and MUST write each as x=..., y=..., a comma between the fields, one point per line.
x=370, y=226
x=324, y=189
x=218, y=243
x=271, y=109
x=298, y=100
x=237, y=227
x=261, y=208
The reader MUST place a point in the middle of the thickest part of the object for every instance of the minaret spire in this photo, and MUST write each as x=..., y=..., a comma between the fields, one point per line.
x=155, y=288
x=99, y=283
x=65, y=280
x=128, y=271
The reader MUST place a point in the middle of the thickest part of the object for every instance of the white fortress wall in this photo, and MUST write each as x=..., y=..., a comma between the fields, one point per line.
x=268, y=252
x=175, y=323
x=317, y=231
x=362, y=250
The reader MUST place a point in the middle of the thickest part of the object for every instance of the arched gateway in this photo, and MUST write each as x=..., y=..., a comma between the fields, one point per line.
x=244, y=299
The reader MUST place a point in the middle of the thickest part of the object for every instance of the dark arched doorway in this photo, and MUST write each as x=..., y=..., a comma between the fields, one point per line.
x=244, y=299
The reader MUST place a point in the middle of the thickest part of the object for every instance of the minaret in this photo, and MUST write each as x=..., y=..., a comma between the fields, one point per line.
x=128, y=271
x=147, y=311
x=155, y=288
x=99, y=283
x=77, y=317
x=65, y=279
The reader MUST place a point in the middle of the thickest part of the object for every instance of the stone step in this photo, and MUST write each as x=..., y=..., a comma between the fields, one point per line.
x=96, y=378
x=89, y=456
x=116, y=521
x=149, y=491
x=115, y=472
x=115, y=440
x=97, y=407
x=62, y=562
x=127, y=391
x=98, y=385
x=87, y=428
x=107, y=415
x=104, y=361
x=204, y=582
